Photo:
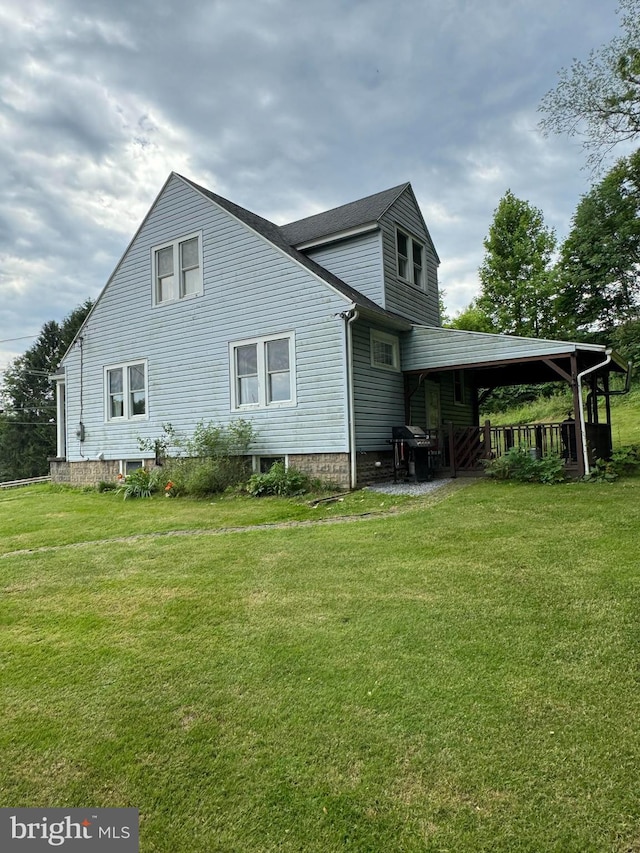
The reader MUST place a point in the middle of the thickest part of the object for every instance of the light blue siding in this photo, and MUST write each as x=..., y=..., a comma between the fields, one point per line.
x=250, y=290
x=378, y=395
x=426, y=348
x=417, y=305
x=357, y=261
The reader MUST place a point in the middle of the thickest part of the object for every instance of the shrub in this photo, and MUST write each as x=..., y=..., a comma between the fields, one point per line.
x=624, y=461
x=279, y=480
x=212, y=460
x=106, y=486
x=137, y=484
x=521, y=465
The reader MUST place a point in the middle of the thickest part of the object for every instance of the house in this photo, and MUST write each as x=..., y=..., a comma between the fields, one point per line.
x=324, y=333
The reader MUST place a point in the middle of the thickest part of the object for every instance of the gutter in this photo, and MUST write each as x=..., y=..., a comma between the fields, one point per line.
x=583, y=430
x=350, y=317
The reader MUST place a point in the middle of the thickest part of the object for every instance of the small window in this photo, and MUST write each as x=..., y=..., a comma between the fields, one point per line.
x=410, y=257
x=126, y=391
x=177, y=270
x=385, y=350
x=263, y=464
x=263, y=372
x=128, y=466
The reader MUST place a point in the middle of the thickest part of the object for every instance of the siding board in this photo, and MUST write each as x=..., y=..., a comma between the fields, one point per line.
x=417, y=305
x=249, y=290
x=378, y=395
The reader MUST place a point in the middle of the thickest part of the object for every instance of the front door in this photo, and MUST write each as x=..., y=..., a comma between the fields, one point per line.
x=432, y=398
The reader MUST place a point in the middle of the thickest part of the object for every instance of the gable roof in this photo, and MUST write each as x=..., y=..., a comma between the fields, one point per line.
x=276, y=236
x=363, y=211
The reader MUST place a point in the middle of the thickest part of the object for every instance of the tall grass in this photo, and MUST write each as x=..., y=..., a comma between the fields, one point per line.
x=625, y=414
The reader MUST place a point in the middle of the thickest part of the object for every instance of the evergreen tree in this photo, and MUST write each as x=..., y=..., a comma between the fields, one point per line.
x=27, y=423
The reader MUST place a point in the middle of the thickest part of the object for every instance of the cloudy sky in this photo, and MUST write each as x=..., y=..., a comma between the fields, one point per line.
x=287, y=107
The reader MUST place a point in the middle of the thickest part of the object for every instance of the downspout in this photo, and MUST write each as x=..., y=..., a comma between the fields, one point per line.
x=583, y=430
x=350, y=317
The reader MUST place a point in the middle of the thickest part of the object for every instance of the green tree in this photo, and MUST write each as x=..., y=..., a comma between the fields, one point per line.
x=27, y=423
x=517, y=277
x=599, y=261
x=472, y=319
x=599, y=100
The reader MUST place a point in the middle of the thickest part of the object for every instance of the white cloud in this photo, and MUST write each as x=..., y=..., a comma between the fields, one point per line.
x=286, y=108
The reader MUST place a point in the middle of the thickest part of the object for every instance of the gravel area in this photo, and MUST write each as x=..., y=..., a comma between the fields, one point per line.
x=409, y=488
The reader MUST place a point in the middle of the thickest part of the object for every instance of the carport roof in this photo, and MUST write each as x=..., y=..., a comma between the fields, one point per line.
x=498, y=359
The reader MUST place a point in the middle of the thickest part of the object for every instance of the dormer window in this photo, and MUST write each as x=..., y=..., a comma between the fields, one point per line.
x=177, y=269
x=410, y=256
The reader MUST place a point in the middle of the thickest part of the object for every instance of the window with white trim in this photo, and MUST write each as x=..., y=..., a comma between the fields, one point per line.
x=410, y=259
x=385, y=350
x=177, y=269
x=125, y=391
x=263, y=372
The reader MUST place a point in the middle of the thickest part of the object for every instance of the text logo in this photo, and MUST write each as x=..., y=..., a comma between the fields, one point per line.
x=107, y=830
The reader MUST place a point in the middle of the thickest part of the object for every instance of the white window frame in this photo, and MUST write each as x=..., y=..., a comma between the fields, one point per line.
x=126, y=398
x=177, y=270
x=257, y=458
x=124, y=464
x=411, y=277
x=376, y=336
x=263, y=401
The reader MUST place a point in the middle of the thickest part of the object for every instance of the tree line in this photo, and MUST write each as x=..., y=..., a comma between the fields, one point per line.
x=27, y=401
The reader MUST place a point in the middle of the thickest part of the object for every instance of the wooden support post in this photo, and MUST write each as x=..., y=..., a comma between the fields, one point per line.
x=487, y=439
x=452, y=449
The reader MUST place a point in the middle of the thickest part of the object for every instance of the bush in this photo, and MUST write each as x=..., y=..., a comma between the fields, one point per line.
x=215, y=458
x=279, y=480
x=204, y=476
x=137, y=484
x=521, y=465
x=624, y=461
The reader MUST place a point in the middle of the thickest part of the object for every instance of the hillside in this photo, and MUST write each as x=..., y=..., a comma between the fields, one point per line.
x=625, y=414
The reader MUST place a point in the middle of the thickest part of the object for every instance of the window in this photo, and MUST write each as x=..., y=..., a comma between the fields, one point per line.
x=385, y=350
x=128, y=466
x=263, y=464
x=262, y=372
x=126, y=391
x=177, y=269
x=410, y=255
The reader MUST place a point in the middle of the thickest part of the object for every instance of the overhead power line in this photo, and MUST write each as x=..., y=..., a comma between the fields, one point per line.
x=22, y=338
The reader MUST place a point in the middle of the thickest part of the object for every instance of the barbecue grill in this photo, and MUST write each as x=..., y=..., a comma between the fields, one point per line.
x=415, y=453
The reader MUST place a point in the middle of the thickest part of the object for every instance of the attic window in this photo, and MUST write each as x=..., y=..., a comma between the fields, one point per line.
x=410, y=258
x=177, y=269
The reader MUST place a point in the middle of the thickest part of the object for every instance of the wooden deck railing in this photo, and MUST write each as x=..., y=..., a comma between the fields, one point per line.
x=465, y=448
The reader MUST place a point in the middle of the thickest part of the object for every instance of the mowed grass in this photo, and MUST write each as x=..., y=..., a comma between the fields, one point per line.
x=44, y=516
x=461, y=676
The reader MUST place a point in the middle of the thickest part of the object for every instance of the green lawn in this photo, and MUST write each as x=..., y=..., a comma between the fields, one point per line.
x=461, y=675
